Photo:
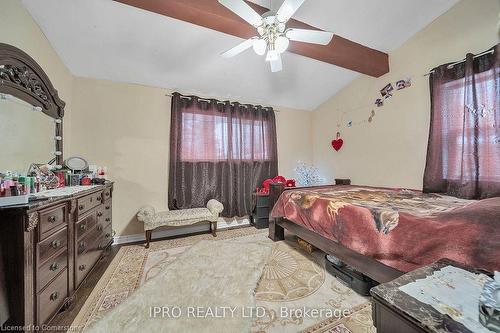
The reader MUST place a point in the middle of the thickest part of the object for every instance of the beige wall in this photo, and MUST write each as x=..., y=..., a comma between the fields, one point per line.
x=18, y=28
x=391, y=151
x=294, y=139
x=126, y=128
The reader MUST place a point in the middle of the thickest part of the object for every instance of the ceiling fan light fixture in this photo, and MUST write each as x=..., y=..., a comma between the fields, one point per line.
x=272, y=33
x=259, y=46
x=282, y=44
x=272, y=55
x=285, y=13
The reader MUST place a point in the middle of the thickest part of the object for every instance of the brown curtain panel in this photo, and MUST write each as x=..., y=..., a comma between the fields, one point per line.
x=219, y=150
x=463, y=156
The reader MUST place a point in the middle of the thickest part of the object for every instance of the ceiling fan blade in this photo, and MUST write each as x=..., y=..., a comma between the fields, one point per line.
x=238, y=48
x=310, y=36
x=243, y=10
x=276, y=64
x=287, y=9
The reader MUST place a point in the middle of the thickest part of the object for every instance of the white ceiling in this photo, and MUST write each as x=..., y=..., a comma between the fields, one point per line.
x=104, y=39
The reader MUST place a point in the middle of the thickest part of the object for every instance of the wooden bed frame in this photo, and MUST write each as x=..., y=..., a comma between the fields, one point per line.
x=364, y=264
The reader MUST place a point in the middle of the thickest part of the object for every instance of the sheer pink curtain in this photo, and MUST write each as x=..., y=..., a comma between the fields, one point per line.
x=463, y=157
x=219, y=150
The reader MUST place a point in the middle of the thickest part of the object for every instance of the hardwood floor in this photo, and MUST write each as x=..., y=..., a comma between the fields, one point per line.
x=63, y=320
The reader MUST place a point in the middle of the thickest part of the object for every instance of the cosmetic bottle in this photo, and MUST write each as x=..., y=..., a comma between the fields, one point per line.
x=32, y=184
x=23, y=185
x=14, y=191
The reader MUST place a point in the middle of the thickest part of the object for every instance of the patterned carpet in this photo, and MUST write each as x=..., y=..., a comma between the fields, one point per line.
x=292, y=282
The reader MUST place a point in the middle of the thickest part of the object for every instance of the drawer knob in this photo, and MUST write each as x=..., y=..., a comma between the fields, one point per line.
x=83, y=226
x=54, y=296
x=81, y=207
x=82, y=267
x=99, y=247
x=99, y=198
x=108, y=207
x=82, y=246
x=99, y=227
x=54, y=266
x=107, y=235
x=106, y=194
x=99, y=214
x=55, y=244
x=108, y=219
x=52, y=219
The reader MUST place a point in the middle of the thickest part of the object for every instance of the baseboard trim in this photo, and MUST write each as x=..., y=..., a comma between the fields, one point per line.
x=221, y=225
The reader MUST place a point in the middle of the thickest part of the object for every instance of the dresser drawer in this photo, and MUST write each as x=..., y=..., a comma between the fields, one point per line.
x=104, y=212
x=86, y=203
x=102, y=226
x=86, y=243
x=51, y=268
x=86, y=224
x=107, y=193
x=50, y=219
x=51, y=245
x=85, y=261
x=106, y=238
x=52, y=297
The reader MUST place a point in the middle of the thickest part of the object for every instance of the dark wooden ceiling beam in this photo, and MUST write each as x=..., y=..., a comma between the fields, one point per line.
x=210, y=14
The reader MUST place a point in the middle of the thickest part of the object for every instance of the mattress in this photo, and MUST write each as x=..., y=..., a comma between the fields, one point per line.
x=404, y=229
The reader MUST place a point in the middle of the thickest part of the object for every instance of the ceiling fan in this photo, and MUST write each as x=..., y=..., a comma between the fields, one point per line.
x=273, y=36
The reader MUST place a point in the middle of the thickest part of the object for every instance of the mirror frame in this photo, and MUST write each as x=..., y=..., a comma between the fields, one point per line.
x=22, y=77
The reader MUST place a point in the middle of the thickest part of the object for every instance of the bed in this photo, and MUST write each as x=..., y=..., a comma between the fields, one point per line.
x=384, y=232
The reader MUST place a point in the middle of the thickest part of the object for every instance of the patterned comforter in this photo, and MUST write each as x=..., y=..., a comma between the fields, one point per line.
x=404, y=229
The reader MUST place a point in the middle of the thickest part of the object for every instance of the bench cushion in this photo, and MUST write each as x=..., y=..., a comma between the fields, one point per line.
x=181, y=217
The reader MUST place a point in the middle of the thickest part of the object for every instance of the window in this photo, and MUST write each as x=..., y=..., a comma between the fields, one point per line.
x=474, y=131
x=463, y=155
x=219, y=150
x=206, y=137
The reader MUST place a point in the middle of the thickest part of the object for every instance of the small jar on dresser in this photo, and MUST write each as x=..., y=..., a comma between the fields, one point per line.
x=48, y=249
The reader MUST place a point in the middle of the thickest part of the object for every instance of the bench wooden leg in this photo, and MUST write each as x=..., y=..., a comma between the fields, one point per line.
x=213, y=228
x=148, y=238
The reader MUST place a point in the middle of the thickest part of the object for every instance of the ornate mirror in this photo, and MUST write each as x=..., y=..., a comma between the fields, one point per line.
x=31, y=113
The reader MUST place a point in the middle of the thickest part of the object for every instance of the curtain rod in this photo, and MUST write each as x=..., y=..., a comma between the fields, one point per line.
x=209, y=100
x=463, y=60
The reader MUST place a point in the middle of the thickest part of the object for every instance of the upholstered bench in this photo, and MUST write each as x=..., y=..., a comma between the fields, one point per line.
x=178, y=218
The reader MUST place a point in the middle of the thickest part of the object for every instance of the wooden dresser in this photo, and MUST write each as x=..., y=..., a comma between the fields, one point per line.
x=49, y=247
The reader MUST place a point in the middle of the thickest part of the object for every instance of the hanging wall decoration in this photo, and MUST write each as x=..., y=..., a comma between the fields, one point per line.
x=401, y=84
x=372, y=115
x=385, y=94
x=338, y=142
x=388, y=91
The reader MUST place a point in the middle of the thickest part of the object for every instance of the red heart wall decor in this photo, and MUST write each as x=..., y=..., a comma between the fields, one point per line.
x=337, y=143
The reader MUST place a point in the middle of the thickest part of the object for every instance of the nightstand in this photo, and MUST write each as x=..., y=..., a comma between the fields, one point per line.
x=261, y=210
x=396, y=311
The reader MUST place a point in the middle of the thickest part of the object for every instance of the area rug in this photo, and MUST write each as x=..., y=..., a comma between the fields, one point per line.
x=292, y=284
x=207, y=289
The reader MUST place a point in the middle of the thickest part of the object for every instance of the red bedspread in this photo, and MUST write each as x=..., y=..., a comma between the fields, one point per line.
x=404, y=229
